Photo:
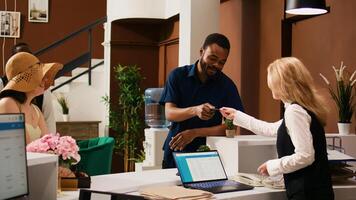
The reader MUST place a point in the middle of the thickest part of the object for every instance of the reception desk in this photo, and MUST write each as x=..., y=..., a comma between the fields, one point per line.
x=239, y=154
x=131, y=183
x=42, y=176
x=243, y=153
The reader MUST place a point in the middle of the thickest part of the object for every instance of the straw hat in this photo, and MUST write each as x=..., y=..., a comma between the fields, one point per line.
x=25, y=72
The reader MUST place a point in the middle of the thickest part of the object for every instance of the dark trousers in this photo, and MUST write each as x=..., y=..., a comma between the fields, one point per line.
x=166, y=164
x=297, y=190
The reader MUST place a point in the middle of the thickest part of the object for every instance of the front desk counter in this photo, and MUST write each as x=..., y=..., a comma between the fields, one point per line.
x=42, y=176
x=131, y=183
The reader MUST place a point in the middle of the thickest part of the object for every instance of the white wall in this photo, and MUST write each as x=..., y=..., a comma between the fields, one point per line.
x=172, y=7
x=198, y=18
x=120, y=9
x=84, y=101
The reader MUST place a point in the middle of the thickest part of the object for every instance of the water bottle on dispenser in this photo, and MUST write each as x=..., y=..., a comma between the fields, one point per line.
x=155, y=135
x=154, y=112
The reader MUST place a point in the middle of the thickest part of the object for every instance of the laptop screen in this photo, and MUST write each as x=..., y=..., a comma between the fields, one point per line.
x=13, y=168
x=199, y=166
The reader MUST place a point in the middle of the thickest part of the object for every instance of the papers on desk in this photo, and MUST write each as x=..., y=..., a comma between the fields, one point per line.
x=174, y=192
x=256, y=180
x=337, y=156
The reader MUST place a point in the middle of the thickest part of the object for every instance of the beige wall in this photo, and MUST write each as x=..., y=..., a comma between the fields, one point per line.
x=230, y=25
x=319, y=42
x=325, y=41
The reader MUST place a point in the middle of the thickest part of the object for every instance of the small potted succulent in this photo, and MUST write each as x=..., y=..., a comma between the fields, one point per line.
x=230, y=128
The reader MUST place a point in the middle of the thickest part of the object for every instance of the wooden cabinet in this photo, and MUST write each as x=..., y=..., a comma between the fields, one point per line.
x=79, y=130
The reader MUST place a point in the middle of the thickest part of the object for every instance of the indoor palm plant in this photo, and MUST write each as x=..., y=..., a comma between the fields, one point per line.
x=343, y=95
x=125, y=114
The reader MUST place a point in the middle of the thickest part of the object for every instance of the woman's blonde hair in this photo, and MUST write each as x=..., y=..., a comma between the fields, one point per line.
x=293, y=82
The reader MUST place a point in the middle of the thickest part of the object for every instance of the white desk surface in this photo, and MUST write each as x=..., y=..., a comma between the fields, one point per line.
x=246, y=140
x=339, y=135
x=133, y=181
x=40, y=158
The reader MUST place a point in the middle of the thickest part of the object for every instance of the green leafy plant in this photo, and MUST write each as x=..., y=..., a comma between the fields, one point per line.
x=229, y=124
x=203, y=148
x=125, y=114
x=140, y=157
x=63, y=102
x=344, y=94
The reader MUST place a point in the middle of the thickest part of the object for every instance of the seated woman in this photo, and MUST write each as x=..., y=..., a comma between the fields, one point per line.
x=28, y=78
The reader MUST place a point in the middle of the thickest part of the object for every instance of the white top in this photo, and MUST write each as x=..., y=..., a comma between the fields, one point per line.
x=47, y=109
x=297, y=121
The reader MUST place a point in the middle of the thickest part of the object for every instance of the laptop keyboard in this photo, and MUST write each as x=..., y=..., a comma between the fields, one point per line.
x=212, y=184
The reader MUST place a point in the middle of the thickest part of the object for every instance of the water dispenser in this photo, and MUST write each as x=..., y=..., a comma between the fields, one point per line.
x=154, y=112
x=156, y=134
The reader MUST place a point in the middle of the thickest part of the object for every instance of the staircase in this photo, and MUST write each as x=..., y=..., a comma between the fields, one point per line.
x=84, y=101
x=85, y=87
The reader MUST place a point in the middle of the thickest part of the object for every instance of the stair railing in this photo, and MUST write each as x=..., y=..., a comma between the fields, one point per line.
x=80, y=60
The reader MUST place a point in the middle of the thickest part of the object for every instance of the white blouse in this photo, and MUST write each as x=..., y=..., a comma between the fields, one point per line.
x=297, y=121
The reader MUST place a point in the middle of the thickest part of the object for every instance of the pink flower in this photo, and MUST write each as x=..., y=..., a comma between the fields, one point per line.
x=51, y=140
x=65, y=147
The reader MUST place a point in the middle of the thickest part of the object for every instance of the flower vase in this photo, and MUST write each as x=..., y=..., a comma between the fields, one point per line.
x=65, y=117
x=344, y=128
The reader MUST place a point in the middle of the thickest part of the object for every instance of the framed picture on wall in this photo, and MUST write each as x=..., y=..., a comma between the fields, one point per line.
x=10, y=24
x=38, y=11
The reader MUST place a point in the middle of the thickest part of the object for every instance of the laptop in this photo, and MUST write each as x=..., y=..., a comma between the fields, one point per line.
x=204, y=171
x=13, y=161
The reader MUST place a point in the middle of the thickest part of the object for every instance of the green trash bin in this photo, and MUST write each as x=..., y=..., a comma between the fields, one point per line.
x=96, y=155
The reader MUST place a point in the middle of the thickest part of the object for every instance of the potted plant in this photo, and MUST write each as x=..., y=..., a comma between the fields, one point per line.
x=141, y=156
x=63, y=102
x=230, y=128
x=125, y=114
x=343, y=96
x=203, y=148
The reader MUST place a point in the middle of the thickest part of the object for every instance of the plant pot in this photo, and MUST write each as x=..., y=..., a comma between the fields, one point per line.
x=65, y=117
x=138, y=166
x=344, y=128
x=230, y=133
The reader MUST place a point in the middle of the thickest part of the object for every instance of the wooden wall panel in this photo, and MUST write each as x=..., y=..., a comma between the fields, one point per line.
x=171, y=60
x=65, y=17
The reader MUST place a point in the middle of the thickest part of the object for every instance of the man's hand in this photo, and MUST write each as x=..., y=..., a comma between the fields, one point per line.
x=182, y=139
x=205, y=111
x=263, y=169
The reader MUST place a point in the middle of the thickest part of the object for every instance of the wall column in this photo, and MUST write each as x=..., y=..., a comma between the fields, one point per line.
x=198, y=18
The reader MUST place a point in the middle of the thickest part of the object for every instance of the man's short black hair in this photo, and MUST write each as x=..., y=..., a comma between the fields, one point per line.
x=217, y=38
x=18, y=96
x=21, y=47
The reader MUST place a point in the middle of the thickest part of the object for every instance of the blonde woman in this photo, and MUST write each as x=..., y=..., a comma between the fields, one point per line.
x=301, y=143
x=28, y=78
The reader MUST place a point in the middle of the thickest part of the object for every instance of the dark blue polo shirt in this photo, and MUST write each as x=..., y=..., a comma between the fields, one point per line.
x=184, y=89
